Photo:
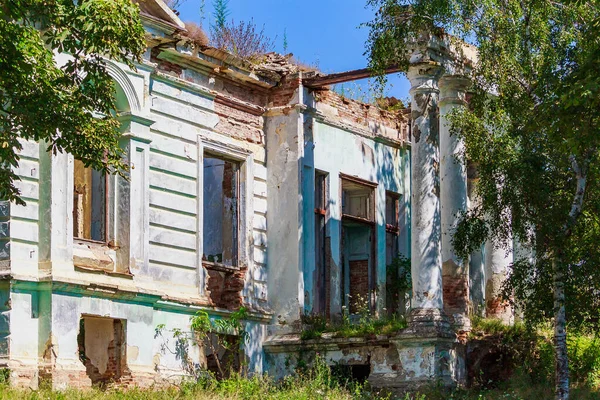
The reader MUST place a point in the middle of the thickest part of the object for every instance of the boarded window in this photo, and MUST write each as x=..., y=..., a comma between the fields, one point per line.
x=89, y=203
x=321, y=271
x=220, y=227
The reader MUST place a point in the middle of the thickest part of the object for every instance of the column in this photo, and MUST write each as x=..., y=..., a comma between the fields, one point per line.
x=454, y=200
x=426, y=246
x=476, y=261
x=497, y=262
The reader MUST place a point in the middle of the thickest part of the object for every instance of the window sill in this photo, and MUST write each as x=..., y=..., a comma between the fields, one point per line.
x=354, y=218
x=93, y=256
x=93, y=270
x=219, y=267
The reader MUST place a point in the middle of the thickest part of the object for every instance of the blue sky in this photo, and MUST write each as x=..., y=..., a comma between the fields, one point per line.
x=325, y=33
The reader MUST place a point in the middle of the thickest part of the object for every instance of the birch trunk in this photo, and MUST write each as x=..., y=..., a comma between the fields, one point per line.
x=560, y=334
x=560, y=319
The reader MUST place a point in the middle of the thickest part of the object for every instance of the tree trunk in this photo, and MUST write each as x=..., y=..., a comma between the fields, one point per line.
x=560, y=333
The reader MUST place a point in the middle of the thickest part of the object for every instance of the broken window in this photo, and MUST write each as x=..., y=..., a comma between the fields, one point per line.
x=102, y=349
x=220, y=226
x=90, y=205
x=358, y=244
x=321, y=272
x=394, y=299
x=392, y=226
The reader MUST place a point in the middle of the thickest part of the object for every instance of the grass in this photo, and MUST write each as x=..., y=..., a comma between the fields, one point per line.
x=307, y=387
x=532, y=378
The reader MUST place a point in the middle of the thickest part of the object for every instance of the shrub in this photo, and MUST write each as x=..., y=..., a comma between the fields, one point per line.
x=242, y=39
x=196, y=33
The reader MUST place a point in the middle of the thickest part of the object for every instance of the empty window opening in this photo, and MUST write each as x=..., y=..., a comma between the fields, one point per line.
x=358, y=244
x=321, y=270
x=357, y=373
x=102, y=349
x=90, y=205
x=358, y=199
x=223, y=355
x=394, y=299
x=220, y=227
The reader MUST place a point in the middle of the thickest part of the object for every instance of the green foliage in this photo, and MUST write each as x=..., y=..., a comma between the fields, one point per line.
x=4, y=376
x=530, y=141
x=220, y=14
x=532, y=353
x=68, y=106
x=228, y=333
x=531, y=131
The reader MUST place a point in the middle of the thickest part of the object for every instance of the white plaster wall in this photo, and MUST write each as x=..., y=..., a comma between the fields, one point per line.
x=24, y=328
x=284, y=140
x=168, y=118
x=67, y=310
x=336, y=151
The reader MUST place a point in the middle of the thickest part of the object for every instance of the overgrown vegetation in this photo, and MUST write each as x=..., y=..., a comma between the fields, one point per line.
x=534, y=141
x=361, y=323
x=531, y=353
x=316, y=382
x=224, y=335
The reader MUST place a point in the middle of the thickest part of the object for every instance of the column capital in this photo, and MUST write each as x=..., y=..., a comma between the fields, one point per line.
x=453, y=89
x=424, y=77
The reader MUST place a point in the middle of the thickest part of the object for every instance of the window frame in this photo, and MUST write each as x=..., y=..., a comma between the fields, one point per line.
x=229, y=149
x=107, y=209
x=236, y=233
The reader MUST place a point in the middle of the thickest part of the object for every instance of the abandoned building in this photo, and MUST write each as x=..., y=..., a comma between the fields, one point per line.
x=250, y=185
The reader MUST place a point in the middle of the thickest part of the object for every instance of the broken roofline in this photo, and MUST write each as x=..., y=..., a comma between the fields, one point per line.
x=348, y=76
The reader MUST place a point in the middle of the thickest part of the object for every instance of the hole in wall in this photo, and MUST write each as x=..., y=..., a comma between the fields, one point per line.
x=102, y=349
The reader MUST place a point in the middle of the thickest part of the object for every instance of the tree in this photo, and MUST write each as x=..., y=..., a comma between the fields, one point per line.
x=242, y=39
x=70, y=106
x=532, y=129
x=221, y=12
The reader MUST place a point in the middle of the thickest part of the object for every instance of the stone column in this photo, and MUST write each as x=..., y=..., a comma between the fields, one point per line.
x=497, y=261
x=454, y=201
x=426, y=245
x=476, y=261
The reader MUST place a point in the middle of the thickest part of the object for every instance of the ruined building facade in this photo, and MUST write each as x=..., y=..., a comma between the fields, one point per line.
x=251, y=186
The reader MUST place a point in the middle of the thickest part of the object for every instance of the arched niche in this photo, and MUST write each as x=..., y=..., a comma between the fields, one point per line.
x=127, y=98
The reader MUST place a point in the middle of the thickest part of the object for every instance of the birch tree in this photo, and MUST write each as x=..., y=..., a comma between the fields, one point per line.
x=532, y=129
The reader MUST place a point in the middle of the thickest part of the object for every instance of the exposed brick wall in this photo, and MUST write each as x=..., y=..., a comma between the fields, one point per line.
x=284, y=92
x=359, y=283
x=239, y=124
x=165, y=66
x=225, y=288
x=498, y=308
x=361, y=114
x=456, y=293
